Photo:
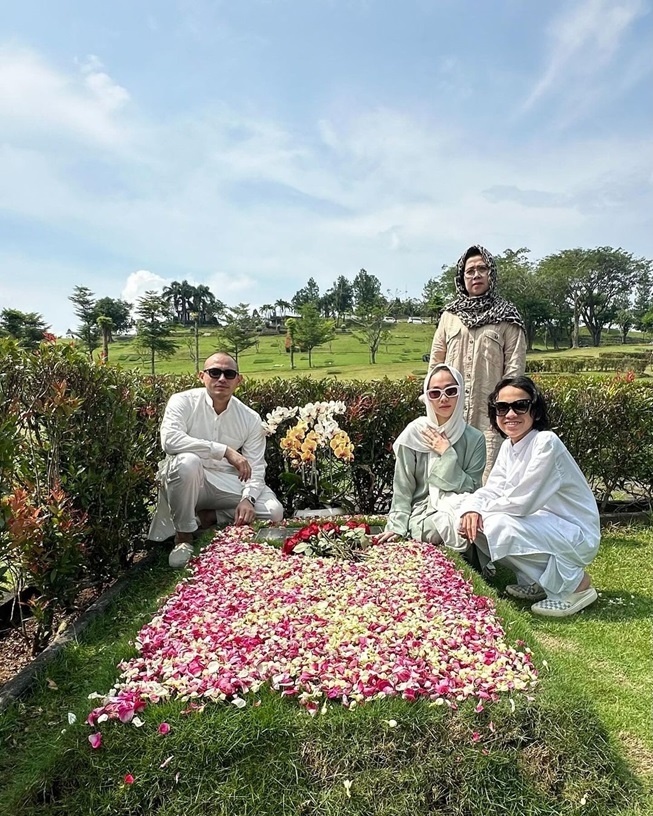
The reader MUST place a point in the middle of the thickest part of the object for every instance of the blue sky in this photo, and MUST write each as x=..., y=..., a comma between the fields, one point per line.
x=251, y=145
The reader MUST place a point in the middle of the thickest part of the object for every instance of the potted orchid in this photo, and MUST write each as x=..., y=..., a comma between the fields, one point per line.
x=316, y=452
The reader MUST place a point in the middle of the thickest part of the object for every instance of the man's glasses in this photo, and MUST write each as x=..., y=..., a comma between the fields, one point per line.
x=216, y=373
x=522, y=406
x=438, y=393
x=481, y=270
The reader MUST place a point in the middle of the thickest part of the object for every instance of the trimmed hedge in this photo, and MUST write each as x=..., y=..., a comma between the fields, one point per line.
x=618, y=361
x=79, y=447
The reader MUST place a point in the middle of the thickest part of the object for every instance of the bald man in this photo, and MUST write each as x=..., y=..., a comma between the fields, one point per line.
x=214, y=470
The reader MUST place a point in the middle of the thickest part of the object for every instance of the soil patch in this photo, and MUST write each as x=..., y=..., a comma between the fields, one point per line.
x=16, y=642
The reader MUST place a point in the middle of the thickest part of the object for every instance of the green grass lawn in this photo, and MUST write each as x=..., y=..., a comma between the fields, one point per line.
x=274, y=759
x=343, y=357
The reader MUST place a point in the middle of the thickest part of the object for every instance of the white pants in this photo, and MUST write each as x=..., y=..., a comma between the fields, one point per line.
x=185, y=490
x=557, y=577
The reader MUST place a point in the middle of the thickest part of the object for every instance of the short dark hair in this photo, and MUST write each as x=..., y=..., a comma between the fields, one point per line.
x=538, y=407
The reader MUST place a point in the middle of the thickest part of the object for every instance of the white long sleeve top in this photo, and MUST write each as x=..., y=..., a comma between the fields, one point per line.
x=191, y=425
x=539, y=474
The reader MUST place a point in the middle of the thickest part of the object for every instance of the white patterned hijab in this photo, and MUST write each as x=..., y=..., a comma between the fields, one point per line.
x=453, y=428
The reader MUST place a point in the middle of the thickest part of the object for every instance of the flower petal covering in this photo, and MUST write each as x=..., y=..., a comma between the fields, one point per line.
x=402, y=622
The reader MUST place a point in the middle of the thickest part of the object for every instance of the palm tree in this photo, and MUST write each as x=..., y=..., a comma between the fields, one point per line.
x=106, y=324
x=283, y=306
x=172, y=296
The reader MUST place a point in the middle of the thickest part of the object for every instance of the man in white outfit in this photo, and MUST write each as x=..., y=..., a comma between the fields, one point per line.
x=214, y=470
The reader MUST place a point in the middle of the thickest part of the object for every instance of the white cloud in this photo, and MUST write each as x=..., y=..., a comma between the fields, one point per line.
x=38, y=100
x=582, y=43
x=140, y=282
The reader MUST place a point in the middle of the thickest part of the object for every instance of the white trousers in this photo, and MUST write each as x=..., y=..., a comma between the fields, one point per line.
x=184, y=490
x=557, y=577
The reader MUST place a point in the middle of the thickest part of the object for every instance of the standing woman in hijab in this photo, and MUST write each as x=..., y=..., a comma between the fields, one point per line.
x=483, y=336
x=439, y=458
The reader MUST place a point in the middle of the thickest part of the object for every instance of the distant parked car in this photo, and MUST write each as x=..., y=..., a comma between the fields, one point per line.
x=414, y=320
x=389, y=319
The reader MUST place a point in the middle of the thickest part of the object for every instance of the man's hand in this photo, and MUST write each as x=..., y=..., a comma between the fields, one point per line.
x=245, y=513
x=240, y=463
x=437, y=442
x=471, y=524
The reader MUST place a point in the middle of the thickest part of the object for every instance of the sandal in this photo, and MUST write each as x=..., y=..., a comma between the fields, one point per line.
x=569, y=606
x=530, y=592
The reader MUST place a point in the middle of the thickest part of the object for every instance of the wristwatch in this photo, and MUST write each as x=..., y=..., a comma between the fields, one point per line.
x=251, y=499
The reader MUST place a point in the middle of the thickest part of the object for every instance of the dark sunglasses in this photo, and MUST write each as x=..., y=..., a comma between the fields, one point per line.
x=449, y=391
x=522, y=406
x=216, y=373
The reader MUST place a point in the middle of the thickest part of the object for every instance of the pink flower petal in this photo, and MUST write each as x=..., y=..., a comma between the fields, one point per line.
x=95, y=739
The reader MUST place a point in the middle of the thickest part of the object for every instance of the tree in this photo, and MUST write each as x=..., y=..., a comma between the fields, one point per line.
x=646, y=322
x=118, y=310
x=342, y=298
x=154, y=327
x=519, y=283
x=372, y=330
x=643, y=301
x=205, y=305
x=596, y=278
x=432, y=299
x=88, y=331
x=283, y=306
x=27, y=328
x=308, y=294
x=367, y=292
x=291, y=331
x=609, y=273
x=311, y=330
x=239, y=333
x=558, y=324
x=172, y=295
x=624, y=319
x=447, y=282
x=105, y=324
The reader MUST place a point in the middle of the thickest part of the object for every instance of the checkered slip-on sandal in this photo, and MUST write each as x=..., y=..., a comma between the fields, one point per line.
x=530, y=592
x=561, y=609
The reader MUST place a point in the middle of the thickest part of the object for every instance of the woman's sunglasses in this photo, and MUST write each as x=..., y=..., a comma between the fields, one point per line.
x=437, y=393
x=522, y=406
x=216, y=373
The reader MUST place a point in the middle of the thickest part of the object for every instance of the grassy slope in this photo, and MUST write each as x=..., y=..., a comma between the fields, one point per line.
x=344, y=357
x=273, y=758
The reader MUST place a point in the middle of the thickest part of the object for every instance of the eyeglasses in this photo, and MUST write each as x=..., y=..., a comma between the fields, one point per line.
x=216, y=373
x=438, y=393
x=522, y=406
x=480, y=270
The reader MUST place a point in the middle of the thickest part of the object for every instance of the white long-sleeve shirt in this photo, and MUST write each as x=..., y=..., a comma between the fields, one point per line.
x=538, y=475
x=191, y=425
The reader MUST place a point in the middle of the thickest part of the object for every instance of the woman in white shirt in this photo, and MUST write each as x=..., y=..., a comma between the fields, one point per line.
x=536, y=514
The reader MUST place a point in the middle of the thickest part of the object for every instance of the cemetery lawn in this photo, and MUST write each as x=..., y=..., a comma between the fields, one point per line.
x=345, y=357
x=389, y=757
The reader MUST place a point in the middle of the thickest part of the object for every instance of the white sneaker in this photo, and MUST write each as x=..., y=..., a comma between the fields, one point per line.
x=526, y=592
x=180, y=555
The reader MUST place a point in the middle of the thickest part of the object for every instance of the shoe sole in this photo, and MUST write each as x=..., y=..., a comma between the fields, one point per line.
x=584, y=599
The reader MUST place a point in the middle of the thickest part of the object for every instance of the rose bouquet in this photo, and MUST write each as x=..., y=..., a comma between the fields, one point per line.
x=316, y=452
x=348, y=541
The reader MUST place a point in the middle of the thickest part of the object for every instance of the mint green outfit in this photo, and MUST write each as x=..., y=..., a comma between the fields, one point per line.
x=458, y=471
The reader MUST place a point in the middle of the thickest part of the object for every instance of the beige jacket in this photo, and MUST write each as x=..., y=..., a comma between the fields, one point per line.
x=484, y=355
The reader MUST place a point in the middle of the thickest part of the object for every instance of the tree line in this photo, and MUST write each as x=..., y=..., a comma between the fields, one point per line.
x=599, y=288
